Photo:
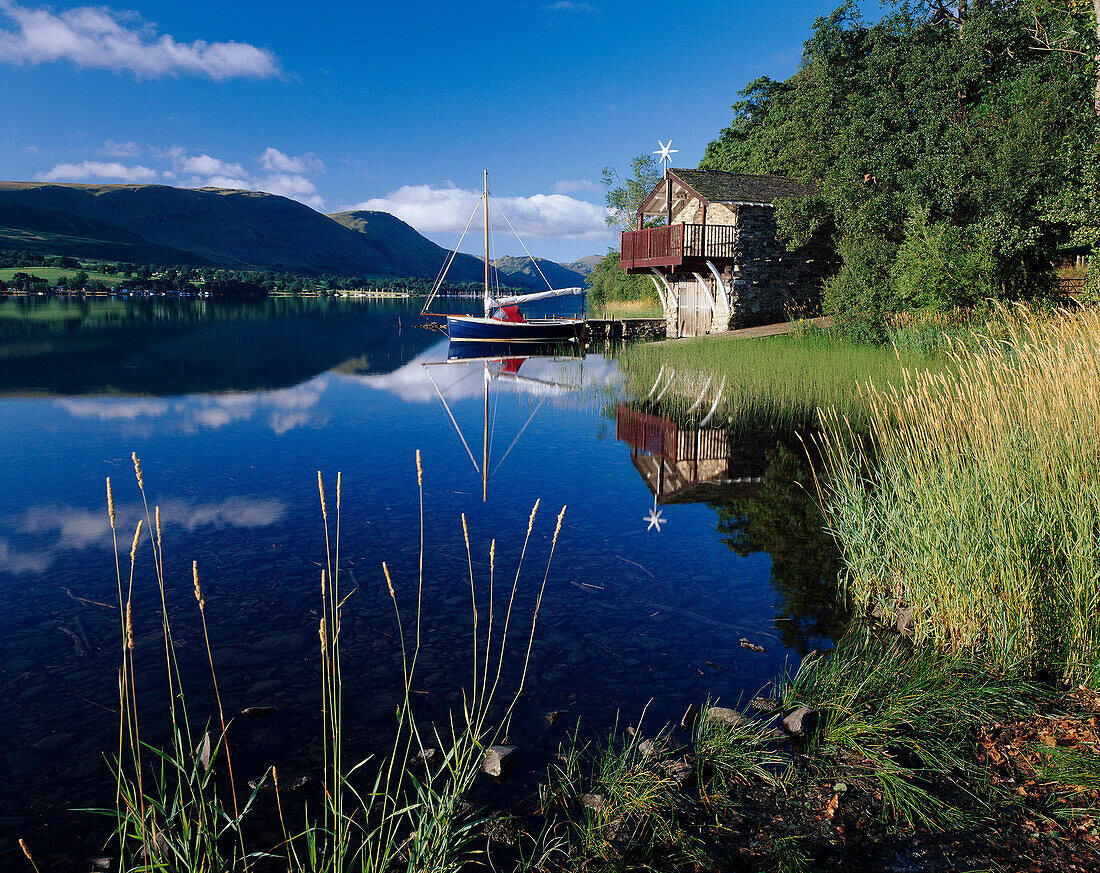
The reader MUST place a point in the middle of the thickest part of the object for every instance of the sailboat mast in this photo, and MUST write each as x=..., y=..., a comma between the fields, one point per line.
x=486, y=243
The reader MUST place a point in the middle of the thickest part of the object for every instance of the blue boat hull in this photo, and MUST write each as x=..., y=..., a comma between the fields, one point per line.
x=491, y=330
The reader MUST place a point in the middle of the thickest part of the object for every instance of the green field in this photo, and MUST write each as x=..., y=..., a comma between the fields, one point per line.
x=52, y=274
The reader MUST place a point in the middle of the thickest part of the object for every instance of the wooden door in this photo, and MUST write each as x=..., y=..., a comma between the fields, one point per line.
x=695, y=315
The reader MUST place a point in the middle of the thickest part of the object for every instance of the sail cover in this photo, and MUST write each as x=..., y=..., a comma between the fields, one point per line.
x=557, y=303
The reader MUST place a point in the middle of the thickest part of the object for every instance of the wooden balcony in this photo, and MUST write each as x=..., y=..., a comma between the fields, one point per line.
x=678, y=245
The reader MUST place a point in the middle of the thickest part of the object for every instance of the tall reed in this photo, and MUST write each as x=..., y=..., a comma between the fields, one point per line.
x=974, y=496
x=376, y=814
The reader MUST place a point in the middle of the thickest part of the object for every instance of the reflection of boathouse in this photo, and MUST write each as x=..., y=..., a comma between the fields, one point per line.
x=716, y=263
x=682, y=464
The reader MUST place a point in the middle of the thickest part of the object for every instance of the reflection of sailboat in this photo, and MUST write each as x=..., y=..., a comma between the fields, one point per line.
x=555, y=315
x=503, y=362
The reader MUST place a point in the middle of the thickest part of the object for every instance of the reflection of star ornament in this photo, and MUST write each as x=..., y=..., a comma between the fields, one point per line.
x=666, y=153
x=654, y=519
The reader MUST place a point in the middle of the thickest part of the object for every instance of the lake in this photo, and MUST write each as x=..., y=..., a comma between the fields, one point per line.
x=232, y=409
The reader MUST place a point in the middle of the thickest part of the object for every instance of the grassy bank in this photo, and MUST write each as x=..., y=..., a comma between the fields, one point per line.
x=627, y=309
x=779, y=381
x=974, y=499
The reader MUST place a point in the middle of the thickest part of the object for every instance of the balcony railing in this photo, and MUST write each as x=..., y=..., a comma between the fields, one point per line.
x=676, y=244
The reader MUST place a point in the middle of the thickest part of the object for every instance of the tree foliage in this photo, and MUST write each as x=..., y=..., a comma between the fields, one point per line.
x=609, y=281
x=956, y=155
x=625, y=197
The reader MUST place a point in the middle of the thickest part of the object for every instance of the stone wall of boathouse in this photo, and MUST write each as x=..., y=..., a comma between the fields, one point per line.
x=765, y=284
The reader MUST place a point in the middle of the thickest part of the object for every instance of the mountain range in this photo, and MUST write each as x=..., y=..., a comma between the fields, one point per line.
x=242, y=230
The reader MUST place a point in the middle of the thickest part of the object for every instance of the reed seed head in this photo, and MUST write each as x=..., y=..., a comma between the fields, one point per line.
x=465, y=532
x=557, y=527
x=419, y=470
x=531, y=520
x=198, y=587
x=321, y=491
x=137, y=471
x=339, y=487
x=110, y=503
x=389, y=582
x=137, y=537
x=157, y=515
x=26, y=850
x=324, y=588
x=129, y=627
x=322, y=635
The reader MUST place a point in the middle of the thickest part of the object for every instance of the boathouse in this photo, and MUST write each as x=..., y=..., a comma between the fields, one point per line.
x=717, y=263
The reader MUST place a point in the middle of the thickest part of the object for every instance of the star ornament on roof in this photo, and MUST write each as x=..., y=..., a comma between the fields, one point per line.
x=666, y=151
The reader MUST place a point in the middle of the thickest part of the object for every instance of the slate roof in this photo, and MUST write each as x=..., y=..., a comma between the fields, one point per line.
x=716, y=186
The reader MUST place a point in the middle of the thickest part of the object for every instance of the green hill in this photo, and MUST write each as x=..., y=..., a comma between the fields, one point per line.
x=585, y=265
x=158, y=224
x=521, y=271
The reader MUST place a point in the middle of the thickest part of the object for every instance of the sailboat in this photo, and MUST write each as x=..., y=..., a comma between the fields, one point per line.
x=555, y=315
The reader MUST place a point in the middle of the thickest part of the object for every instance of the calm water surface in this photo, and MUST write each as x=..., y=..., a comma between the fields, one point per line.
x=233, y=408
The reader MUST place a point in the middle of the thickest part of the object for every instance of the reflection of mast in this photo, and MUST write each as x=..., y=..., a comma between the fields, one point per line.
x=485, y=450
x=509, y=367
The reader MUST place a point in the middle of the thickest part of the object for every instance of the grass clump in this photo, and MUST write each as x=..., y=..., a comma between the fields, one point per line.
x=975, y=496
x=622, y=806
x=905, y=718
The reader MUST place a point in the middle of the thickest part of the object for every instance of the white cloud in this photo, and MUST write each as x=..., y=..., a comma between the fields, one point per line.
x=274, y=161
x=204, y=165
x=102, y=38
x=121, y=149
x=280, y=174
x=295, y=187
x=540, y=216
x=567, y=185
x=86, y=170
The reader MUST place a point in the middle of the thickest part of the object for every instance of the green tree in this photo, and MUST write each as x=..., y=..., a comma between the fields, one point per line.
x=609, y=281
x=942, y=141
x=624, y=198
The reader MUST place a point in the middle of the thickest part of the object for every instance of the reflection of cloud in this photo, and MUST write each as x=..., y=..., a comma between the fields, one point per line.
x=21, y=562
x=458, y=380
x=285, y=409
x=65, y=528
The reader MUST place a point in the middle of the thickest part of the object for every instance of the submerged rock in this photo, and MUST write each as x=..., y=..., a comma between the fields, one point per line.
x=498, y=761
x=801, y=722
x=681, y=771
x=502, y=829
x=425, y=757
x=594, y=802
x=724, y=715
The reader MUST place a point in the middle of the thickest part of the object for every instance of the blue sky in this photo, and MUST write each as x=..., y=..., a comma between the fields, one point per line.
x=393, y=106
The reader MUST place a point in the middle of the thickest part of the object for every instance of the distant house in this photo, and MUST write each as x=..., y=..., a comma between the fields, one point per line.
x=717, y=263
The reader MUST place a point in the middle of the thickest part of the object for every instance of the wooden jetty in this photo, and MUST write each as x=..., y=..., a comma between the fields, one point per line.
x=625, y=328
